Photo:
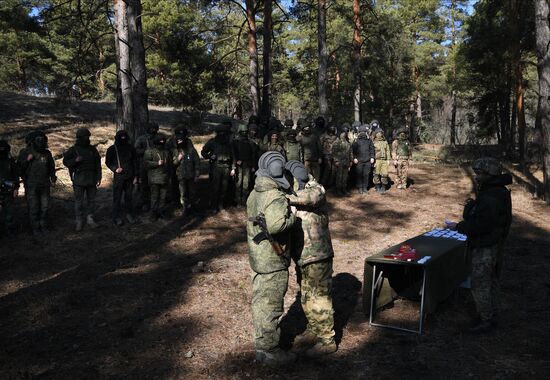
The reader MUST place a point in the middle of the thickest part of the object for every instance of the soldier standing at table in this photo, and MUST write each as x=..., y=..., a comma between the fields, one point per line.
x=342, y=156
x=380, y=176
x=245, y=154
x=312, y=247
x=143, y=143
x=37, y=169
x=9, y=187
x=487, y=221
x=269, y=261
x=84, y=164
x=220, y=154
x=402, y=153
x=121, y=158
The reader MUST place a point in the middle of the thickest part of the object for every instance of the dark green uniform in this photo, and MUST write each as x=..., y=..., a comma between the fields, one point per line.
x=293, y=149
x=37, y=169
x=312, y=151
x=327, y=140
x=187, y=163
x=157, y=160
x=143, y=143
x=219, y=152
x=342, y=157
x=245, y=154
x=9, y=184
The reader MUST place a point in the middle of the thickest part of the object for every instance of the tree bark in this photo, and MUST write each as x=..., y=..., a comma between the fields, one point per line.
x=453, y=92
x=124, y=73
x=267, y=77
x=138, y=69
x=357, y=45
x=323, y=56
x=542, y=13
x=253, y=57
x=520, y=109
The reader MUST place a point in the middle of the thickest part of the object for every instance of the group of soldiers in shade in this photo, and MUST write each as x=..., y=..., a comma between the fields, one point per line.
x=335, y=157
x=149, y=164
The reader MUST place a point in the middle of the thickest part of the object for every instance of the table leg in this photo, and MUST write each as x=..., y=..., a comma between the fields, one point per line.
x=422, y=302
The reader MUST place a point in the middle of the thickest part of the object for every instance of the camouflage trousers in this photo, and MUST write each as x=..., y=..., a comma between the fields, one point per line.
x=317, y=299
x=485, y=282
x=38, y=199
x=341, y=176
x=402, y=171
x=220, y=181
x=327, y=177
x=314, y=169
x=268, y=293
x=143, y=188
x=158, y=199
x=185, y=187
x=80, y=192
x=380, y=173
x=243, y=183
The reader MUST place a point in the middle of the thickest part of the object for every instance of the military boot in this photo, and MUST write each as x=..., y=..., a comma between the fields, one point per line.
x=79, y=225
x=321, y=349
x=91, y=222
x=275, y=358
x=304, y=341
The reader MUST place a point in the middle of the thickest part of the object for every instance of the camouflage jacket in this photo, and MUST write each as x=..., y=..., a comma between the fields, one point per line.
x=401, y=149
x=311, y=146
x=327, y=141
x=341, y=152
x=310, y=235
x=269, y=199
x=382, y=149
x=294, y=151
x=189, y=166
x=39, y=171
x=87, y=172
x=157, y=175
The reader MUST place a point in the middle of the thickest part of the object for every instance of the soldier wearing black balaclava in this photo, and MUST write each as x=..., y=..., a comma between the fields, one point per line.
x=327, y=140
x=121, y=159
x=187, y=166
x=143, y=143
x=9, y=187
x=157, y=161
x=37, y=169
x=222, y=166
x=84, y=164
x=363, y=158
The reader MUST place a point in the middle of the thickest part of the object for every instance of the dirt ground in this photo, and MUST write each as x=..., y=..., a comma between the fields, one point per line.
x=129, y=302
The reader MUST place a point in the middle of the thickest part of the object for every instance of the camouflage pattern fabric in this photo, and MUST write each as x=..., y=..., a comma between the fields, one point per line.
x=313, y=167
x=383, y=154
x=245, y=173
x=80, y=192
x=317, y=299
x=143, y=143
x=268, y=293
x=342, y=156
x=311, y=242
x=38, y=200
x=485, y=284
x=185, y=187
x=220, y=154
x=294, y=151
x=275, y=147
x=402, y=171
x=86, y=172
x=269, y=199
x=158, y=175
x=158, y=198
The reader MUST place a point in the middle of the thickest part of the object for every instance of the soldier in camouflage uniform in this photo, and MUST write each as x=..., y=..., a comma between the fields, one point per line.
x=383, y=156
x=245, y=154
x=9, y=187
x=312, y=246
x=342, y=156
x=292, y=147
x=402, y=153
x=327, y=140
x=487, y=222
x=220, y=154
x=253, y=136
x=143, y=143
x=269, y=269
x=84, y=164
x=312, y=151
x=186, y=162
x=157, y=160
x=37, y=169
x=274, y=143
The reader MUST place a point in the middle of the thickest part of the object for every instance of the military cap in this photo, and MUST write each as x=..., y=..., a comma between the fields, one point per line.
x=487, y=165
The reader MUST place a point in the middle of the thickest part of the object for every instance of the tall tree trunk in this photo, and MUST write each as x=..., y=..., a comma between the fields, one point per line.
x=453, y=92
x=323, y=56
x=253, y=57
x=542, y=14
x=453, y=118
x=520, y=107
x=137, y=64
x=267, y=77
x=124, y=70
x=357, y=45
